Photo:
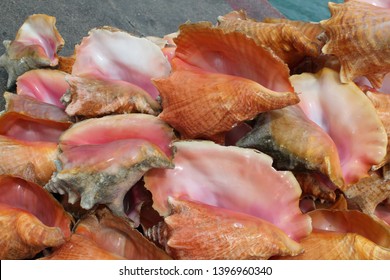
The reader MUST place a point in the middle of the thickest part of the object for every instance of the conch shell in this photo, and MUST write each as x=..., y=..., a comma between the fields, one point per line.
x=359, y=37
x=233, y=53
x=90, y=97
x=27, y=119
x=112, y=54
x=344, y=111
x=345, y=235
x=195, y=230
x=30, y=219
x=32, y=161
x=36, y=45
x=45, y=85
x=206, y=105
x=233, y=178
x=102, y=167
x=315, y=151
x=381, y=102
x=108, y=237
x=287, y=41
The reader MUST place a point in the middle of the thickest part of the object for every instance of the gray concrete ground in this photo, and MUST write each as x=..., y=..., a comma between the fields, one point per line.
x=76, y=17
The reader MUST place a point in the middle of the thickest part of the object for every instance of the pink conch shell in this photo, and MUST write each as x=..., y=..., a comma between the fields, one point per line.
x=31, y=107
x=32, y=161
x=349, y=118
x=119, y=127
x=43, y=84
x=195, y=230
x=102, y=174
x=30, y=219
x=314, y=151
x=232, y=53
x=234, y=178
x=206, y=105
x=381, y=103
x=346, y=235
x=284, y=39
x=36, y=45
x=358, y=36
x=91, y=97
x=29, y=120
x=115, y=234
x=112, y=54
x=100, y=167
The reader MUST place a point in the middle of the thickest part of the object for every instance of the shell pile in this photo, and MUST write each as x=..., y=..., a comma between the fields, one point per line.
x=237, y=139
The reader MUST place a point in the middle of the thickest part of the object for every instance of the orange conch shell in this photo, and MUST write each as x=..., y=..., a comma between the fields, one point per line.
x=116, y=234
x=32, y=161
x=346, y=235
x=206, y=105
x=311, y=30
x=102, y=236
x=284, y=39
x=359, y=37
x=30, y=219
x=80, y=247
x=198, y=231
x=233, y=53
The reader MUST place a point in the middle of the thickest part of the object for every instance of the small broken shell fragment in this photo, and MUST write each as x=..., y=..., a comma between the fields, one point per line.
x=359, y=37
x=195, y=230
x=36, y=45
x=92, y=97
x=112, y=54
x=45, y=85
x=344, y=111
x=30, y=219
x=219, y=176
x=314, y=151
